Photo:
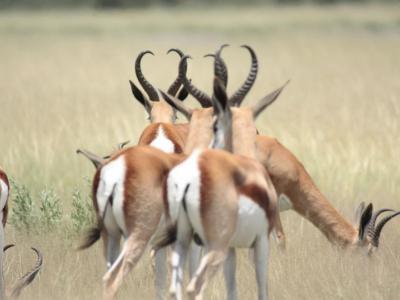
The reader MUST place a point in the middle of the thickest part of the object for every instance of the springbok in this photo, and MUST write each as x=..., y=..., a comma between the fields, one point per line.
x=128, y=199
x=289, y=176
x=167, y=136
x=29, y=276
x=162, y=133
x=223, y=201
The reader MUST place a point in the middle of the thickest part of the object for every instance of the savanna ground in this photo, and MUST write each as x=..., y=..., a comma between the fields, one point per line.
x=64, y=85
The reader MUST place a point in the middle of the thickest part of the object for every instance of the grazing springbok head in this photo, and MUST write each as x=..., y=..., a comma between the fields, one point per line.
x=29, y=276
x=367, y=231
x=158, y=111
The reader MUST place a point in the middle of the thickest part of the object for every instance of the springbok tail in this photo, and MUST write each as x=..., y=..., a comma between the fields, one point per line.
x=92, y=235
x=165, y=237
x=28, y=277
x=168, y=234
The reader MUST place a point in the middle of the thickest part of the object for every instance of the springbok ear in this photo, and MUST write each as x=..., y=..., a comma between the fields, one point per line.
x=123, y=144
x=96, y=160
x=183, y=93
x=178, y=105
x=357, y=213
x=140, y=97
x=120, y=146
x=220, y=99
x=267, y=101
x=364, y=221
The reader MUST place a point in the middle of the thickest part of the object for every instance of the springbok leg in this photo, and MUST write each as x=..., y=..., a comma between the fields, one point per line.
x=230, y=275
x=261, y=266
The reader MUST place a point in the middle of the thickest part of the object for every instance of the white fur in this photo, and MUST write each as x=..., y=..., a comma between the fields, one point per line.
x=162, y=142
x=252, y=222
x=230, y=275
x=3, y=201
x=184, y=174
x=4, y=194
x=284, y=203
x=2, y=292
x=3, y=197
x=112, y=179
x=261, y=249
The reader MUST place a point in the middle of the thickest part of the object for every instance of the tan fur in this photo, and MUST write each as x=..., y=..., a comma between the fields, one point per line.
x=244, y=175
x=290, y=178
x=161, y=112
x=287, y=174
x=224, y=177
x=200, y=130
x=175, y=133
x=244, y=132
x=142, y=205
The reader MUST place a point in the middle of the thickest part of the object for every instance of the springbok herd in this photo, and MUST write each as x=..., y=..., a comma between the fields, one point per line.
x=203, y=189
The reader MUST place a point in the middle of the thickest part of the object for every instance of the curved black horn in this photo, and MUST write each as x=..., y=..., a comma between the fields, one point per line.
x=6, y=247
x=150, y=90
x=379, y=227
x=29, y=276
x=220, y=68
x=174, y=87
x=204, y=100
x=371, y=224
x=238, y=96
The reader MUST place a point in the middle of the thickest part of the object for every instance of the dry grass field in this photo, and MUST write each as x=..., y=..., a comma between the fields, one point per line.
x=64, y=84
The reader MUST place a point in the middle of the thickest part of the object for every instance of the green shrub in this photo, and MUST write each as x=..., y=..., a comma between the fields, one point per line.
x=23, y=215
x=82, y=212
x=50, y=210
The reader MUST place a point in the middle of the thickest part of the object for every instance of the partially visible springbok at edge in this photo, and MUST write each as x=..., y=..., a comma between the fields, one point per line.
x=29, y=276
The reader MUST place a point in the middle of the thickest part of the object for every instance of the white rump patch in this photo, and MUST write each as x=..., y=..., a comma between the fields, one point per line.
x=162, y=142
x=112, y=180
x=186, y=174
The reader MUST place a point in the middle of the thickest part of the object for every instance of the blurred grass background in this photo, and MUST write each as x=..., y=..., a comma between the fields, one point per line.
x=64, y=85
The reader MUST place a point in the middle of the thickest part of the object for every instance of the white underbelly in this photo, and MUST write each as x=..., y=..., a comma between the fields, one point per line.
x=251, y=223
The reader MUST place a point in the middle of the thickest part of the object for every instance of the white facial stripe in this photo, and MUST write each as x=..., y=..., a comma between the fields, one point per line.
x=112, y=179
x=162, y=142
x=3, y=197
